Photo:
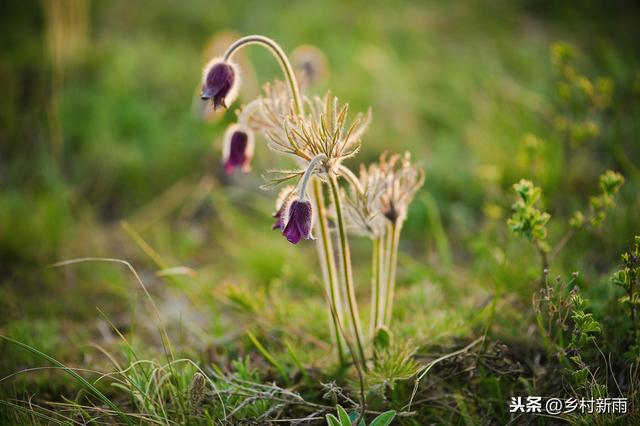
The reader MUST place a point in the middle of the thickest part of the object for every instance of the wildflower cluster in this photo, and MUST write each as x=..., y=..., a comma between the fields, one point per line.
x=318, y=134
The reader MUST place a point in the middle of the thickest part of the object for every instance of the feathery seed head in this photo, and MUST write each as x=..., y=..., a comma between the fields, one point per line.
x=403, y=180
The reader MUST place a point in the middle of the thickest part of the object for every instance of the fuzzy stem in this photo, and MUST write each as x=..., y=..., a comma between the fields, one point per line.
x=346, y=173
x=325, y=255
x=375, y=283
x=345, y=255
x=308, y=173
x=277, y=51
x=392, y=259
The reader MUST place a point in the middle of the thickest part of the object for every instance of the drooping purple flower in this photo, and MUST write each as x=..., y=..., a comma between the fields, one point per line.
x=219, y=83
x=238, y=149
x=299, y=222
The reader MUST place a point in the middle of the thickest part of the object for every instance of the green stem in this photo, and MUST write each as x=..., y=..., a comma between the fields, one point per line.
x=277, y=51
x=345, y=255
x=376, y=276
x=392, y=259
x=325, y=255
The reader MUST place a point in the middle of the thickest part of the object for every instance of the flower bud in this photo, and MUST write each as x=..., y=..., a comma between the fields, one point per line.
x=299, y=223
x=219, y=83
x=238, y=148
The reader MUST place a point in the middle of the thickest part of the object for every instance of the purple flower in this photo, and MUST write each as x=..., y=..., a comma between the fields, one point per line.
x=219, y=83
x=299, y=224
x=238, y=149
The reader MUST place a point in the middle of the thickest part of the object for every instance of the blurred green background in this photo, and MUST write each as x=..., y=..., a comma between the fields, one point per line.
x=100, y=123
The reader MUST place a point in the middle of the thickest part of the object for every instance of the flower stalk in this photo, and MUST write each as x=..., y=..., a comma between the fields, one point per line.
x=393, y=235
x=279, y=54
x=345, y=257
x=377, y=271
x=330, y=275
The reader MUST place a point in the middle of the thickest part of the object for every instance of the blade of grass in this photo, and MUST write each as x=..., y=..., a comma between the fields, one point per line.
x=296, y=360
x=269, y=357
x=86, y=384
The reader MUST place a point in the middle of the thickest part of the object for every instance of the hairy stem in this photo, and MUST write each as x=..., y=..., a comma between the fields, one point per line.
x=376, y=282
x=282, y=58
x=325, y=255
x=345, y=255
x=392, y=258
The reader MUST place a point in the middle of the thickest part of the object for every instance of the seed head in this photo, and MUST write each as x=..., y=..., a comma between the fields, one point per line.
x=238, y=148
x=220, y=82
x=310, y=64
x=363, y=201
x=402, y=182
x=299, y=221
x=197, y=389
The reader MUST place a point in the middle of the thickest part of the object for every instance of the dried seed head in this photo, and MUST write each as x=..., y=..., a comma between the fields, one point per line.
x=267, y=114
x=197, y=389
x=363, y=199
x=402, y=182
x=238, y=148
x=310, y=64
x=300, y=218
x=323, y=130
x=220, y=82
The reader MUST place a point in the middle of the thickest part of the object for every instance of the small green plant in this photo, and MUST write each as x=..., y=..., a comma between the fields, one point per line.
x=528, y=221
x=585, y=330
x=610, y=184
x=345, y=419
x=628, y=278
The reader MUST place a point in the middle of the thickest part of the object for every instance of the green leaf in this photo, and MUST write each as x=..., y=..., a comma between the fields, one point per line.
x=332, y=420
x=384, y=419
x=344, y=417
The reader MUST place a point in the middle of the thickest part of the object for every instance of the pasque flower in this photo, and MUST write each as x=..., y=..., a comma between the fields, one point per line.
x=299, y=221
x=219, y=83
x=238, y=148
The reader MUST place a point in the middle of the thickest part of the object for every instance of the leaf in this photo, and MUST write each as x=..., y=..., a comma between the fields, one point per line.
x=332, y=420
x=384, y=419
x=344, y=417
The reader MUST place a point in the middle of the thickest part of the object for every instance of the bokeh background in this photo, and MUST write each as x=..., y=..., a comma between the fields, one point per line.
x=104, y=153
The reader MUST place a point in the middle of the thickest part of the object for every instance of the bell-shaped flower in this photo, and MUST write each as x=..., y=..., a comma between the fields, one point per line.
x=220, y=82
x=299, y=221
x=238, y=148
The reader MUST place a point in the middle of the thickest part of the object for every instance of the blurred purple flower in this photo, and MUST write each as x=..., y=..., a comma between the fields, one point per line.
x=238, y=149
